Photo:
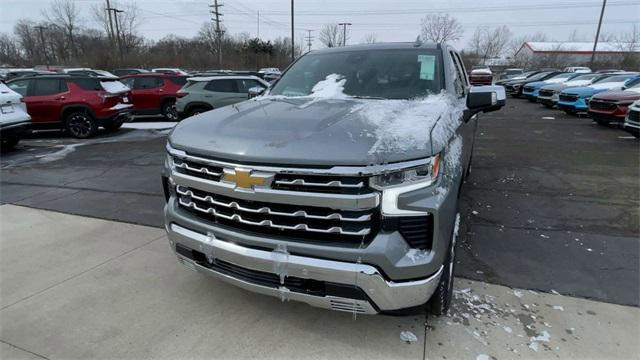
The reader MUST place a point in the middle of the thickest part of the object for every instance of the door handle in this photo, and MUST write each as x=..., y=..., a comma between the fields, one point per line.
x=60, y=98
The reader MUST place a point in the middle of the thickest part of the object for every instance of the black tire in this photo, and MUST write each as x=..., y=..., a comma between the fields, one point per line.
x=441, y=299
x=197, y=110
x=570, y=112
x=9, y=142
x=602, y=122
x=113, y=126
x=169, y=111
x=548, y=106
x=81, y=125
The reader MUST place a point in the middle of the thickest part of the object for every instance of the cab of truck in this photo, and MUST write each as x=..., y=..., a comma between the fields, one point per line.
x=338, y=186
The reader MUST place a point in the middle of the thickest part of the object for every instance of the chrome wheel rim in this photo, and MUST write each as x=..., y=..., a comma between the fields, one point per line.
x=170, y=113
x=80, y=125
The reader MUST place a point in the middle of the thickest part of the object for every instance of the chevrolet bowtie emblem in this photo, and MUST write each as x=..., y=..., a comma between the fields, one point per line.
x=244, y=179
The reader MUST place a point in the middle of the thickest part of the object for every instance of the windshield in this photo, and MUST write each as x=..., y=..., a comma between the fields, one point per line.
x=585, y=77
x=618, y=78
x=378, y=73
x=563, y=76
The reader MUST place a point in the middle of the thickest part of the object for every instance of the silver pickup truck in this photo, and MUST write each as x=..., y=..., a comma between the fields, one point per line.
x=338, y=186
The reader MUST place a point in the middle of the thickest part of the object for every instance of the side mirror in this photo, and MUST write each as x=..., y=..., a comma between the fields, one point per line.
x=486, y=98
x=255, y=91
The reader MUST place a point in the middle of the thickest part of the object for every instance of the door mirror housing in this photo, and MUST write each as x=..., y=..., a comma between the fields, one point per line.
x=486, y=98
x=255, y=91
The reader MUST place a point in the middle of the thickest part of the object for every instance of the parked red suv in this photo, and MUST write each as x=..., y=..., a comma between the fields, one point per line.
x=612, y=106
x=155, y=93
x=78, y=104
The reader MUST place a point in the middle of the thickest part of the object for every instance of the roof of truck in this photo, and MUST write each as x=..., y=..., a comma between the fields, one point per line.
x=381, y=46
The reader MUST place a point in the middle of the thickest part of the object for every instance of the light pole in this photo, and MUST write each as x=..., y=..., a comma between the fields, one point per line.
x=344, y=32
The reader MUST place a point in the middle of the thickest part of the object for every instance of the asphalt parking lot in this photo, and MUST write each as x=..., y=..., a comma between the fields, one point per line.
x=551, y=206
x=552, y=202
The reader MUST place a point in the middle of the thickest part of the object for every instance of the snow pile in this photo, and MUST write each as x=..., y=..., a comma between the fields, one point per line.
x=332, y=87
x=402, y=125
x=114, y=87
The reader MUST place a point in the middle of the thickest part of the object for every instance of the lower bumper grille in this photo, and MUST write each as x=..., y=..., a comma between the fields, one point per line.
x=634, y=116
x=545, y=93
x=296, y=284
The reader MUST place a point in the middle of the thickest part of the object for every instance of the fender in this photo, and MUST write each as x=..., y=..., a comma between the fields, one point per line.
x=82, y=106
x=193, y=104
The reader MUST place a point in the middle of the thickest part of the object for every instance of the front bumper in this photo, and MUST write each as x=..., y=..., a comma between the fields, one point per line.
x=336, y=285
x=578, y=105
x=124, y=115
x=632, y=122
x=18, y=129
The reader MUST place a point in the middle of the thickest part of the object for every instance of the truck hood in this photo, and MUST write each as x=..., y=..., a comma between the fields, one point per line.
x=320, y=132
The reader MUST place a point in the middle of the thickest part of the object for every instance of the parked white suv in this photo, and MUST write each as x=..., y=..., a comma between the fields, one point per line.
x=14, y=120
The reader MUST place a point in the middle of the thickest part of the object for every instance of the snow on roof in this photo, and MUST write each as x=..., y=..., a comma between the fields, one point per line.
x=574, y=47
x=224, y=77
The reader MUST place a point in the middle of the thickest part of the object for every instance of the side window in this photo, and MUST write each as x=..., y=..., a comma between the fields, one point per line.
x=225, y=85
x=464, y=70
x=128, y=82
x=178, y=80
x=245, y=84
x=46, y=87
x=19, y=86
x=459, y=82
x=147, y=82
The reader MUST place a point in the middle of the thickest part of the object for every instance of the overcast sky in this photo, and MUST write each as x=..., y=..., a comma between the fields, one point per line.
x=390, y=20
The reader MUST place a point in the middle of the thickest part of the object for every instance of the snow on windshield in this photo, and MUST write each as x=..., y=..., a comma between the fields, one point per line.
x=114, y=87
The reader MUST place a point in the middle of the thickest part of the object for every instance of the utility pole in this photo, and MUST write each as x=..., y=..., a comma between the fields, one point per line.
x=115, y=17
x=216, y=11
x=258, y=36
x=44, y=46
x=110, y=28
x=309, y=39
x=293, y=47
x=595, y=43
x=344, y=32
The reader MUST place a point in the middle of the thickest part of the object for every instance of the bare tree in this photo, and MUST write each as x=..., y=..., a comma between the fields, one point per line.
x=331, y=35
x=65, y=15
x=629, y=44
x=441, y=28
x=490, y=43
x=128, y=22
x=370, y=38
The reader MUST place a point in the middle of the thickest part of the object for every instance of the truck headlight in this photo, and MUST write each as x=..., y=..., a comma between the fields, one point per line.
x=395, y=183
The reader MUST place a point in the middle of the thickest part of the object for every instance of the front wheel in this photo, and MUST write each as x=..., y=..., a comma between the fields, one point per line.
x=602, y=122
x=169, y=111
x=81, y=125
x=441, y=298
x=9, y=142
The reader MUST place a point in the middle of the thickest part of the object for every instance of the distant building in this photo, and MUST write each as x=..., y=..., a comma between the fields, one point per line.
x=577, y=53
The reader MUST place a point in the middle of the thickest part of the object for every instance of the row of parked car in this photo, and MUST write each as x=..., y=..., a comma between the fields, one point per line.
x=82, y=103
x=607, y=97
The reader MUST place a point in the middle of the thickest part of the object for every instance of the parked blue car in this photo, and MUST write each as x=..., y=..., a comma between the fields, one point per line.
x=576, y=99
x=532, y=90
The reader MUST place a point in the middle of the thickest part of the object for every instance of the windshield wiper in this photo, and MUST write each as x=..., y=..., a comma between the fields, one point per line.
x=368, y=97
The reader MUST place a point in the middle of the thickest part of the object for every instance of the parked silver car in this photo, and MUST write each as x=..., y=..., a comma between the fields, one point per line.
x=202, y=94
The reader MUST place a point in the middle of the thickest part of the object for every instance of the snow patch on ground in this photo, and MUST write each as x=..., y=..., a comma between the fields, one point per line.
x=160, y=125
x=408, y=337
x=60, y=154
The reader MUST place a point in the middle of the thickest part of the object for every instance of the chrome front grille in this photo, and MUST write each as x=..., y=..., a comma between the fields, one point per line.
x=279, y=219
x=634, y=116
x=335, y=206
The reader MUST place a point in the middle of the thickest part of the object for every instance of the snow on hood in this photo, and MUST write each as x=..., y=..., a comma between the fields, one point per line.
x=114, y=87
x=401, y=125
x=577, y=82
